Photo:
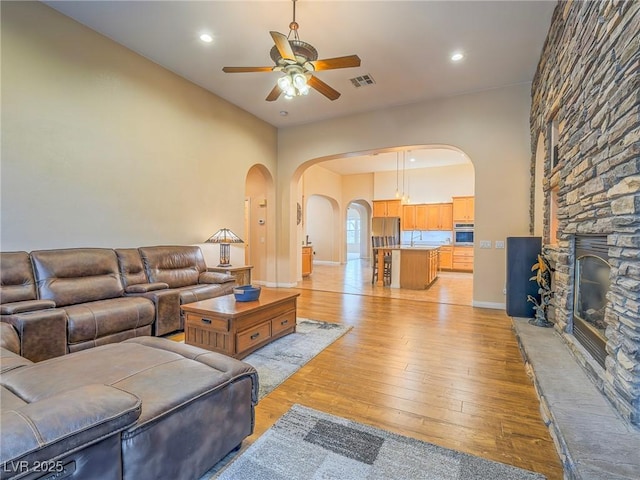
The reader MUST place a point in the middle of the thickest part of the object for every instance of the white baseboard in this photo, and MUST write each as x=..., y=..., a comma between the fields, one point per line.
x=273, y=284
x=493, y=305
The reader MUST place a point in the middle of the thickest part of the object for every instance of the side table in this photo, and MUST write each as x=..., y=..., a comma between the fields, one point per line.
x=241, y=273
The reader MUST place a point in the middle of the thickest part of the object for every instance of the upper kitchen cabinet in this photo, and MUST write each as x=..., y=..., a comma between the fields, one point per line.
x=440, y=216
x=414, y=217
x=387, y=208
x=463, y=209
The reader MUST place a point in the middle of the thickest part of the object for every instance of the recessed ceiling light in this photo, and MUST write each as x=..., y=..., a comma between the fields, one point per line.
x=457, y=56
x=412, y=159
x=284, y=113
x=205, y=37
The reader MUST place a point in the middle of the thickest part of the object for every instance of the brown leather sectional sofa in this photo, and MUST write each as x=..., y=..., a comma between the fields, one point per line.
x=145, y=408
x=67, y=300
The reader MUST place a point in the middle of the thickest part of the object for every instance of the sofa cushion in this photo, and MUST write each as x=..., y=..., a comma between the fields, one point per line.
x=177, y=266
x=77, y=275
x=10, y=400
x=89, y=321
x=61, y=423
x=162, y=373
x=17, y=283
x=131, y=266
x=10, y=361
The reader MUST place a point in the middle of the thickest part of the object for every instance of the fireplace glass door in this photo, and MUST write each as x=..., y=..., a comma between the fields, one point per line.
x=591, y=287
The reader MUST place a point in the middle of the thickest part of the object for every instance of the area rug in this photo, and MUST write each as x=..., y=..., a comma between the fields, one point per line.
x=307, y=444
x=280, y=359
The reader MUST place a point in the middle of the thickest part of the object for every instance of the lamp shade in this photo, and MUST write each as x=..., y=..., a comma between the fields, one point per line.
x=224, y=235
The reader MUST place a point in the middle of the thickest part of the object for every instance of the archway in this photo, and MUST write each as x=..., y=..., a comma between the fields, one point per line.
x=325, y=231
x=259, y=235
x=357, y=229
x=309, y=180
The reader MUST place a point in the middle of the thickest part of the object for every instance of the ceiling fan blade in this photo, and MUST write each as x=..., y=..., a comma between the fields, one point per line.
x=338, y=62
x=246, y=69
x=323, y=88
x=273, y=94
x=283, y=46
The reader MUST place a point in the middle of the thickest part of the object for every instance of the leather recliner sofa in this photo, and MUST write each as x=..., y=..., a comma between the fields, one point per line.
x=146, y=408
x=66, y=300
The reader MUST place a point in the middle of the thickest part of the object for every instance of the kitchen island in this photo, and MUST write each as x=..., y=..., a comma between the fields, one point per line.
x=414, y=268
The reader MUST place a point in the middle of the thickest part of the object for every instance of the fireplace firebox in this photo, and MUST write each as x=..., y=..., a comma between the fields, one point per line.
x=590, y=294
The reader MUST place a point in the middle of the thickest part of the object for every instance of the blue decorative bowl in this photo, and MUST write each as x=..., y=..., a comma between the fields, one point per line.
x=246, y=293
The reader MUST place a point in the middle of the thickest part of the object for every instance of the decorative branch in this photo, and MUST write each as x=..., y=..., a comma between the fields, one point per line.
x=543, y=279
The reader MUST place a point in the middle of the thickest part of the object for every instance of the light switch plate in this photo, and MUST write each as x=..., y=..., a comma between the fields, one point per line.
x=499, y=243
x=485, y=243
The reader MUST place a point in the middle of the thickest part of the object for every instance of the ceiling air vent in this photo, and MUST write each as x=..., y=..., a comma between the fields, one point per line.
x=363, y=81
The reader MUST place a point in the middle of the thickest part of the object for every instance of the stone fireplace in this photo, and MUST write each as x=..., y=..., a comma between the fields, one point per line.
x=585, y=114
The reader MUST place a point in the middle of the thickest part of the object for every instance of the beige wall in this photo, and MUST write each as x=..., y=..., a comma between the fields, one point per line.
x=101, y=147
x=428, y=185
x=490, y=127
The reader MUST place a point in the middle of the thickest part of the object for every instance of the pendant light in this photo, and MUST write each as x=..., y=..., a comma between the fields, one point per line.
x=404, y=173
x=397, y=173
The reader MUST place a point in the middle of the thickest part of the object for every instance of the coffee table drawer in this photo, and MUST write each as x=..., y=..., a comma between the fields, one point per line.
x=283, y=322
x=208, y=323
x=253, y=336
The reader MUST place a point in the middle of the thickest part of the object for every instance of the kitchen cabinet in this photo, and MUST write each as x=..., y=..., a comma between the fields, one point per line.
x=463, y=209
x=387, y=208
x=414, y=217
x=439, y=216
x=307, y=260
x=408, y=217
x=463, y=259
x=446, y=257
x=418, y=267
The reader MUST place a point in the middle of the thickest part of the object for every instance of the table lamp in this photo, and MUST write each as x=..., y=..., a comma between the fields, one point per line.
x=224, y=237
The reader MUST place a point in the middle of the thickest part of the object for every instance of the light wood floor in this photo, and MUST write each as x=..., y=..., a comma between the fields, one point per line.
x=443, y=372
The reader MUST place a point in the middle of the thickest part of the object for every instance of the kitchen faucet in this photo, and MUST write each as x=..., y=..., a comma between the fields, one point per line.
x=412, y=235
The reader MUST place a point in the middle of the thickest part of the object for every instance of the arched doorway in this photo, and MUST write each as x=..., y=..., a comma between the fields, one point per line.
x=357, y=230
x=325, y=230
x=259, y=226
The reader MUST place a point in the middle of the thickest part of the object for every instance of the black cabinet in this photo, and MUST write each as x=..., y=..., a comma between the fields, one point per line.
x=522, y=254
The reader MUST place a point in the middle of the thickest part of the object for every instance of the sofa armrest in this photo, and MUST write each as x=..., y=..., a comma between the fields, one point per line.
x=215, y=277
x=167, y=305
x=50, y=428
x=43, y=334
x=146, y=287
x=26, y=306
x=9, y=338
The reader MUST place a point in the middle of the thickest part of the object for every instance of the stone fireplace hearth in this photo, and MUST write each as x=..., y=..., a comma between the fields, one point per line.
x=586, y=88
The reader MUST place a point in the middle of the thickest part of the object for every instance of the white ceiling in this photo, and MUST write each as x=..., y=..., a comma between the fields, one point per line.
x=404, y=45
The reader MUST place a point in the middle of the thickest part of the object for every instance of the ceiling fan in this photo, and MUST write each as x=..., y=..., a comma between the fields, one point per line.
x=298, y=60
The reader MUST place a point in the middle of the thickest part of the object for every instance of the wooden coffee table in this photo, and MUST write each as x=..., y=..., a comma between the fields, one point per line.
x=238, y=328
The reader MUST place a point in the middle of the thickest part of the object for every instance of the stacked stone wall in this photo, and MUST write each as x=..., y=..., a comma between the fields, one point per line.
x=588, y=79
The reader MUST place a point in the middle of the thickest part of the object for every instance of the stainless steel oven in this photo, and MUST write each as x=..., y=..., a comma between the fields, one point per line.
x=463, y=233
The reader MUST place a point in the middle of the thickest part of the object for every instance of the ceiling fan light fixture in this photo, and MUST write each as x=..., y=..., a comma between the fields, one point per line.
x=299, y=81
x=285, y=83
